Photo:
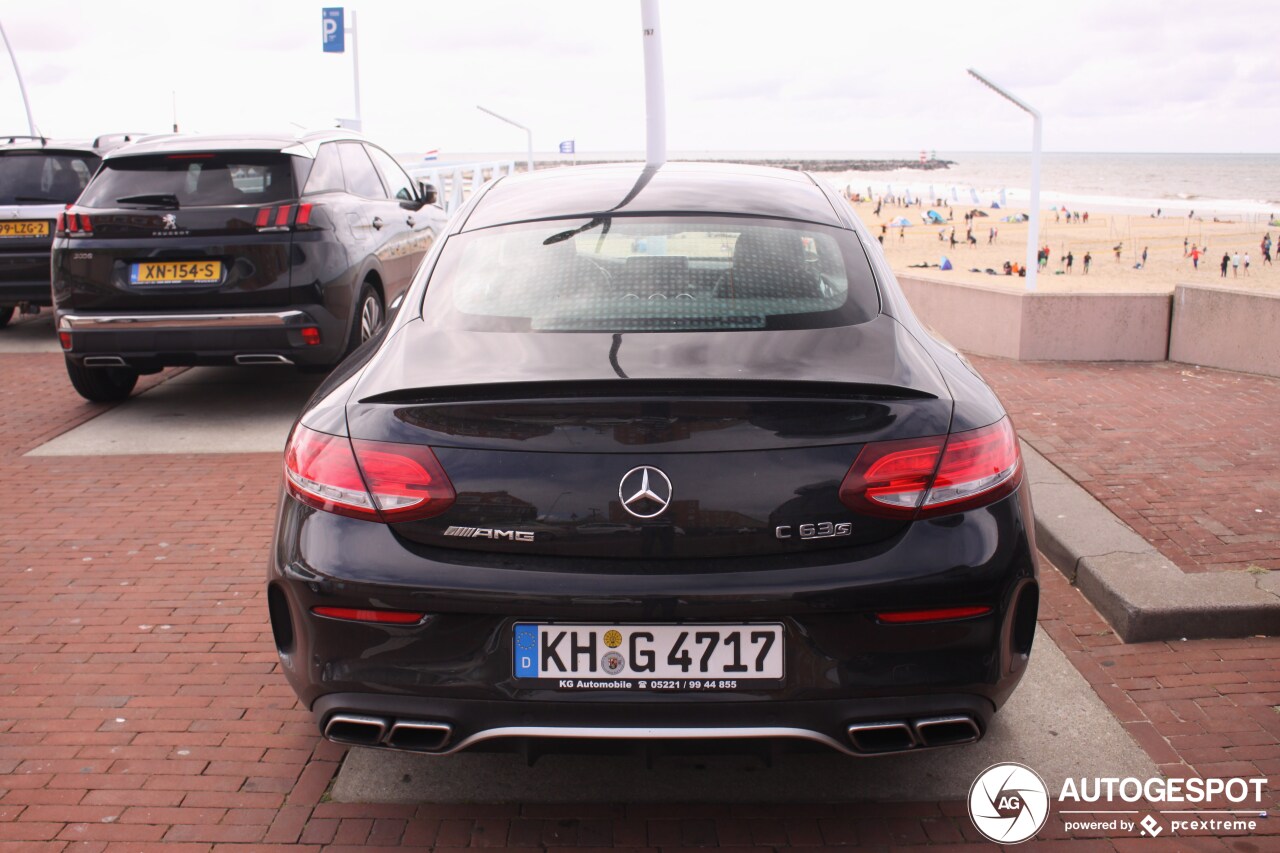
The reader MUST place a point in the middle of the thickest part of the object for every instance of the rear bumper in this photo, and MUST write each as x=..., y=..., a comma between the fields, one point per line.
x=153, y=339
x=24, y=277
x=844, y=667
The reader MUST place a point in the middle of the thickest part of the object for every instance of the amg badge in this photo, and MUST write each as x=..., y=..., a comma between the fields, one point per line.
x=490, y=533
x=821, y=530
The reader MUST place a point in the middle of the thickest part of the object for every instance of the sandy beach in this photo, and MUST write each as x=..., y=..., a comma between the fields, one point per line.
x=1163, y=238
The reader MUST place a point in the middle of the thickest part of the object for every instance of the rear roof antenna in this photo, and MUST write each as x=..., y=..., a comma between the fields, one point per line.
x=654, y=87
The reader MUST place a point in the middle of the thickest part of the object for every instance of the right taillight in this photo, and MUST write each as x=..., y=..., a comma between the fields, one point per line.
x=372, y=480
x=935, y=475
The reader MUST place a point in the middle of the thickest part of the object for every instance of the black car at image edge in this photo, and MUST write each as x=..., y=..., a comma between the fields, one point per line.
x=207, y=250
x=654, y=455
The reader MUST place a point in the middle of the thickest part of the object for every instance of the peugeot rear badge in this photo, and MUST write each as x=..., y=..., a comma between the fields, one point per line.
x=645, y=491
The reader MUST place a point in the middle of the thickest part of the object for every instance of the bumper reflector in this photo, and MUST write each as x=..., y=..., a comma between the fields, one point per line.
x=938, y=614
x=385, y=617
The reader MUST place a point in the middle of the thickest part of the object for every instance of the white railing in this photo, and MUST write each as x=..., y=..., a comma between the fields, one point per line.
x=454, y=182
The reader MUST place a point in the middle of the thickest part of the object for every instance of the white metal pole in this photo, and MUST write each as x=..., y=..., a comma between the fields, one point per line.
x=22, y=87
x=654, y=86
x=1033, y=219
x=528, y=132
x=355, y=68
x=528, y=152
x=1033, y=226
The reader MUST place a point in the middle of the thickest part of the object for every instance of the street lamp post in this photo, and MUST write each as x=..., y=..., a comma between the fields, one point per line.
x=528, y=133
x=22, y=87
x=1033, y=232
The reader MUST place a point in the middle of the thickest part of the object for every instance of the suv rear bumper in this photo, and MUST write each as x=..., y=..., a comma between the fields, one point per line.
x=24, y=277
x=149, y=340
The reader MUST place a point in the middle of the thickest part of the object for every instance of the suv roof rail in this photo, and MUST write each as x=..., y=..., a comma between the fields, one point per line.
x=10, y=139
x=117, y=139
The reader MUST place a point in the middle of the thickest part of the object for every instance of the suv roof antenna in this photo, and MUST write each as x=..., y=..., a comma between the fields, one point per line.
x=654, y=87
x=22, y=87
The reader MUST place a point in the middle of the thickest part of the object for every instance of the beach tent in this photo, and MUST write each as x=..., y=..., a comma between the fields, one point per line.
x=901, y=221
x=981, y=213
x=945, y=264
x=935, y=217
x=995, y=205
x=1017, y=217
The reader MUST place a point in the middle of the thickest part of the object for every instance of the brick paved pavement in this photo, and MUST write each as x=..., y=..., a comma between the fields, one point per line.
x=1187, y=457
x=140, y=705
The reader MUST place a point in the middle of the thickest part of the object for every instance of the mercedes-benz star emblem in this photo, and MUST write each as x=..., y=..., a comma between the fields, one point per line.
x=645, y=491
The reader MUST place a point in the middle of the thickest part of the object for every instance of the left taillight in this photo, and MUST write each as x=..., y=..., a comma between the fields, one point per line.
x=371, y=480
x=938, y=475
x=73, y=223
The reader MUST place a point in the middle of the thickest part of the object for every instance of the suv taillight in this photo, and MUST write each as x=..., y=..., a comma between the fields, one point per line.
x=938, y=475
x=73, y=223
x=284, y=217
x=371, y=480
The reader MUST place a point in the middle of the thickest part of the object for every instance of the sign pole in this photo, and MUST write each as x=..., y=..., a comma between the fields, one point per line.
x=355, y=67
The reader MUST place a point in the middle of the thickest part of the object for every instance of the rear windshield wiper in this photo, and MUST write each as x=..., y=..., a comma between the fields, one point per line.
x=38, y=198
x=152, y=199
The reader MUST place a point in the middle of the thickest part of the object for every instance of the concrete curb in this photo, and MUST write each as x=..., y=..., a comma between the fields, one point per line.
x=1135, y=588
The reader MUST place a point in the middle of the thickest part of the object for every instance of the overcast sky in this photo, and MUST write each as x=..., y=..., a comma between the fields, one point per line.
x=796, y=76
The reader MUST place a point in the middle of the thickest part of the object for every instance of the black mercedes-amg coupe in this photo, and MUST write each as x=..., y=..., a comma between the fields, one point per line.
x=654, y=455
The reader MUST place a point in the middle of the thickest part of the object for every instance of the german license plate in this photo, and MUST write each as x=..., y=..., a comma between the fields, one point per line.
x=176, y=272
x=648, y=657
x=25, y=228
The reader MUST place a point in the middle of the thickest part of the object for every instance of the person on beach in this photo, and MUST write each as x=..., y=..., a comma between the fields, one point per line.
x=902, y=233
x=1246, y=264
x=1144, y=257
x=1086, y=217
x=1266, y=248
x=1185, y=240
x=1235, y=265
x=1088, y=259
x=991, y=236
x=1071, y=259
x=1226, y=260
x=1195, y=259
x=954, y=241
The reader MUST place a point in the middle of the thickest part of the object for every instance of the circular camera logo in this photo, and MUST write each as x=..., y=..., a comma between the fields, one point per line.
x=1008, y=803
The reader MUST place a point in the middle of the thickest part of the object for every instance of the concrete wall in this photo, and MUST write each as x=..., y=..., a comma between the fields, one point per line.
x=1043, y=326
x=1230, y=329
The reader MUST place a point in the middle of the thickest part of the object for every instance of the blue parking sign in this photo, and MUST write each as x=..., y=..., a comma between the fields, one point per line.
x=333, y=32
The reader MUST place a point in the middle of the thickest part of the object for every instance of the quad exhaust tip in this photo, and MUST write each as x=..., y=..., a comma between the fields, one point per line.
x=408, y=735
x=904, y=735
x=262, y=358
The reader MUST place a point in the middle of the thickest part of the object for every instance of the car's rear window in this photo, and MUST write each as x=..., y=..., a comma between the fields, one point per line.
x=643, y=273
x=193, y=180
x=40, y=177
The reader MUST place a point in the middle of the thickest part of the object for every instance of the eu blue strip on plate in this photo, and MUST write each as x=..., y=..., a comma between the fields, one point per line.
x=526, y=651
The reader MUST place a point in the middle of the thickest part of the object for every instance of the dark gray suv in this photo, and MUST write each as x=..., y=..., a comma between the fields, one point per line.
x=193, y=250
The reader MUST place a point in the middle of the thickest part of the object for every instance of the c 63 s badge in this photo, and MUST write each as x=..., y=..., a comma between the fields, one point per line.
x=820, y=530
x=490, y=533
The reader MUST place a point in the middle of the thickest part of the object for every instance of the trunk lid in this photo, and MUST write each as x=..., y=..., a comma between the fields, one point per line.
x=181, y=231
x=558, y=461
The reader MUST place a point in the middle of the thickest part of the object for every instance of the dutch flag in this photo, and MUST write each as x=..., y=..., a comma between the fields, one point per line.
x=433, y=154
